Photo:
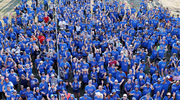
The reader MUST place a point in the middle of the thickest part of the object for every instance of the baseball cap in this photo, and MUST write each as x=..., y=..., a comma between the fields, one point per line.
x=168, y=93
x=72, y=95
x=124, y=95
x=140, y=76
x=116, y=81
x=113, y=90
x=85, y=95
x=52, y=95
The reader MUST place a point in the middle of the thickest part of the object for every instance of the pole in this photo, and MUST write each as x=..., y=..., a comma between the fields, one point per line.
x=92, y=2
x=57, y=48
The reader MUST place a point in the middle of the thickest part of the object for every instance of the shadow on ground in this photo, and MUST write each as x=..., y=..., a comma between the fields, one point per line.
x=10, y=6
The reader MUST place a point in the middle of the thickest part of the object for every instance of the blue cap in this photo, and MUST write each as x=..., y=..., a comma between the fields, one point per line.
x=113, y=90
x=43, y=73
x=72, y=95
x=141, y=69
x=133, y=98
x=60, y=80
x=37, y=88
x=147, y=83
x=94, y=68
x=66, y=48
x=136, y=86
x=159, y=79
x=137, y=51
x=85, y=95
x=136, y=80
x=8, y=85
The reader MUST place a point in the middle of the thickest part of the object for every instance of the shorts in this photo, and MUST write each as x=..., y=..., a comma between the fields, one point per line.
x=76, y=91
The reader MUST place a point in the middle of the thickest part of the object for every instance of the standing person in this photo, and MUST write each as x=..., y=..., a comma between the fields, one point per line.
x=90, y=89
x=136, y=93
x=8, y=93
x=2, y=95
x=168, y=97
x=13, y=78
x=22, y=92
x=76, y=87
x=33, y=81
x=46, y=5
x=15, y=96
x=124, y=97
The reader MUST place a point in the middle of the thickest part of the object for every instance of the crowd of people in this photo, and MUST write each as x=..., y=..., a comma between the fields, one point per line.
x=103, y=51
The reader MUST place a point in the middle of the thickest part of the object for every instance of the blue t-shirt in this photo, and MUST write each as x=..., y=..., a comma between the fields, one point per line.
x=137, y=94
x=89, y=89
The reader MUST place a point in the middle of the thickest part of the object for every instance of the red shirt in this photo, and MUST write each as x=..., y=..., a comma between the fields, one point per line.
x=41, y=38
x=112, y=62
x=46, y=19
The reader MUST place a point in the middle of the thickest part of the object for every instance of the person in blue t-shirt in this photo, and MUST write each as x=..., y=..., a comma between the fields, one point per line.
x=90, y=89
x=114, y=95
x=8, y=93
x=177, y=94
x=28, y=93
x=85, y=97
x=136, y=93
x=76, y=87
x=146, y=97
x=158, y=86
x=13, y=78
x=33, y=81
x=168, y=97
x=147, y=88
x=15, y=96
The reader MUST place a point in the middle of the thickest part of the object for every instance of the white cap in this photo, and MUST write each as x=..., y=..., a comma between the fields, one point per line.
x=52, y=75
x=168, y=76
x=168, y=93
x=116, y=81
x=98, y=93
x=41, y=61
x=124, y=95
x=140, y=76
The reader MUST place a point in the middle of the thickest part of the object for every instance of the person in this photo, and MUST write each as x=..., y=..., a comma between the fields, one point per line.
x=146, y=97
x=72, y=97
x=136, y=93
x=2, y=95
x=37, y=93
x=85, y=97
x=15, y=96
x=124, y=97
x=128, y=86
x=24, y=81
x=176, y=94
x=168, y=97
x=157, y=96
x=114, y=95
x=76, y=87
x=8, y=93
x=22, y=92
x=43, y=86
x=90, y=89
x=28, y=93
x=13, y=78
x=98, y=96
x=52, y=97
x=33, y=81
